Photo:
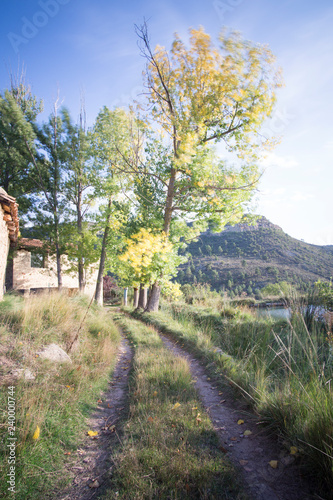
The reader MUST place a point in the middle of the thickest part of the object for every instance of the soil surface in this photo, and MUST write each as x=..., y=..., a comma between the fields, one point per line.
x=252, y=453
x=93, y=463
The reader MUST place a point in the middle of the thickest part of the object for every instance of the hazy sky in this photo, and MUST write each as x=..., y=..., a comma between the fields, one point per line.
x=91, y=46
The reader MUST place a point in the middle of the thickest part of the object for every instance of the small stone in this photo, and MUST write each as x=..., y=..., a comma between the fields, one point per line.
x=23, y=373
x=288, y=460
x=94, y=484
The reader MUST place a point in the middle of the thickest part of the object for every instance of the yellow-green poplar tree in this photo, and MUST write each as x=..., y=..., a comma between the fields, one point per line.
x=149, y=257
x=198, y=96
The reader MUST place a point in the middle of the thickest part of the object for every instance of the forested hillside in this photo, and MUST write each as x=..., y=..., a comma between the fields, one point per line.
x=246, y=258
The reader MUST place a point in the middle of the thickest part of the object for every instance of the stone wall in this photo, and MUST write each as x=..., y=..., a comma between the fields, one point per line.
x=26, y=278
x=4, y=248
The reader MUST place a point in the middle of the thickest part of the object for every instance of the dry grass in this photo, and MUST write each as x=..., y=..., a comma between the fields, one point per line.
x=62, y=395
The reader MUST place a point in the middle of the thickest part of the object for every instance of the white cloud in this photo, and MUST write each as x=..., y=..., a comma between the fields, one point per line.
x=274, y=160
x=329, y=144
x=298, y=196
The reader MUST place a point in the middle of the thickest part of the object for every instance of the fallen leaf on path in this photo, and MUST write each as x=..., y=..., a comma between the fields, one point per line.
x=223, y=449
x=243, y=462
x=234, y=439
x=273, y=464
x=247, y=433
x=176, y=405
x=36, y=433
x=92, y=433
x=240, y=422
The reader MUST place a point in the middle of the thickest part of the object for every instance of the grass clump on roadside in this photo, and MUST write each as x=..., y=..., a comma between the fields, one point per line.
x=284, y=370
x=57, y=401
x=169, y=449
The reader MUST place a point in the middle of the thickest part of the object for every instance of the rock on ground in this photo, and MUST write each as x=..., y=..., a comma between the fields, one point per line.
x=54, y=353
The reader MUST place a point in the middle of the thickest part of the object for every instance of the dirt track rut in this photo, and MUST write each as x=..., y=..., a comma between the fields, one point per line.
x=93, y=464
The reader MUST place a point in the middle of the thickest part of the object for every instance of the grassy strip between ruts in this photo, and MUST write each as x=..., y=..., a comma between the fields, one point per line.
x=170, y=449
x=295, y=400
x=50, y=410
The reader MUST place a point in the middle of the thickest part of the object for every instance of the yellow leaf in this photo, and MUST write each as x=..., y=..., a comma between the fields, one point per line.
x=92, y=433
x=273, y=464
x=36, y=433
x=293, y=450
x=240, y=422
x=247, y=433
x=176, y=405
x=155, y=393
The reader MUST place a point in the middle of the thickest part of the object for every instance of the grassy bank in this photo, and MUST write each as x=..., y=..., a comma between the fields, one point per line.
x=169, y=447
x=60, y=397
x=284, y=370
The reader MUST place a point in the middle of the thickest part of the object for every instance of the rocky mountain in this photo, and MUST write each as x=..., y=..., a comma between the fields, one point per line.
x=248, y=257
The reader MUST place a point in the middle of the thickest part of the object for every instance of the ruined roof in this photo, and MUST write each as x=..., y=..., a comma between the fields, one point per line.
x=10, y=207
x=31, y=243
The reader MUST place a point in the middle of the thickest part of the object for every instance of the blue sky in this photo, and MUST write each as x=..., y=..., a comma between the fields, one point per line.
x=91, y=46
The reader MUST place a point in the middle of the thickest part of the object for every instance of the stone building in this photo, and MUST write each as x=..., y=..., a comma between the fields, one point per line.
x=9, y=230
x=29, y=267
x=32, y=269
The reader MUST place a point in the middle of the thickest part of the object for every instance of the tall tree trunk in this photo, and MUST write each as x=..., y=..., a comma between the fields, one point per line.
x=98, y=293
x=125, y=296
x=82, y=283
x=142, y=297
x=154, y=298
x=58, y=253
x=169, y=202
x=59, y=273
x=136, y=298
